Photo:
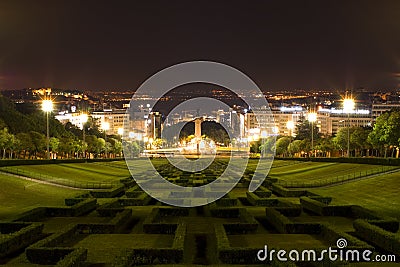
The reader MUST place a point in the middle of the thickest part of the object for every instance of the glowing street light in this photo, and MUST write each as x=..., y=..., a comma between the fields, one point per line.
x=105, y=126
x=290, y=126
x=47, y=106
x=348, y=107
x=120, y=131
x=312, y=117
x=84, y=119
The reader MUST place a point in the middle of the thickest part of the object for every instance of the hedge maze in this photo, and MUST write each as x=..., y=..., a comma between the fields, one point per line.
x=123, y=226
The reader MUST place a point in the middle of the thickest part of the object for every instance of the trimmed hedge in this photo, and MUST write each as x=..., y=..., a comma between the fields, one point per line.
x=78, y=209
x=255, y=200
x=74, y=259
x=141, y=200
x=151, y=256
x=33, y=215
x=110, y=209
x=154, y=225
x=46, y=251
x=331, y=235
x=284, y=192
x=108, y=193
x=113, y=226
x=280, y=222
x=322, y=209
x=290, y=211
x=378, y=236
x=15, y=236
x=238, y=255
x=227, y=201
x=246, y=223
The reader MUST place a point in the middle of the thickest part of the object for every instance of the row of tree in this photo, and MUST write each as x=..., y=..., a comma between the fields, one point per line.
x=382, y=140
x=23, y=129
x=33, y=145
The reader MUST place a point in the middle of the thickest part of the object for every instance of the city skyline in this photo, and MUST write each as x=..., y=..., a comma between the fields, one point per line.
x=97, y=45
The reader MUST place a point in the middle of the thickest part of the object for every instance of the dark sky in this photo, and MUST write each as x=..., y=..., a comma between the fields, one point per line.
x=101, y=45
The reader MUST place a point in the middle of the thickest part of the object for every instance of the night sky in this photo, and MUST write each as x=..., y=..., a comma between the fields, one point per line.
x=104, y=45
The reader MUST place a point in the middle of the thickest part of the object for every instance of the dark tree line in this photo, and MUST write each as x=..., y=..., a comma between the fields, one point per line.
x=23, y=135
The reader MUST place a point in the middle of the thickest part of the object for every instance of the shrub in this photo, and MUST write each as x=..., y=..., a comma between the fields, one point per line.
x=324, y=210
x=74, y=259
x=256, y=200
x=108, y=193
x=280, y=222
x=152, y=256
x=78, y=209
x=384, y=239
x=281, y=191
x=34, y=215
x=331, y=234
x=15, y=236
x=46, y=251
x=113, y=226
x=154, y=225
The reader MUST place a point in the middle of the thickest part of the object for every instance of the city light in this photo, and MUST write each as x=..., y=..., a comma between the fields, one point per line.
x=348, y=105
x=290, y=125
x=105, y=126
x=120, y=131
x=264, y=134
x=47, y=105
x=84, y=118
x=312, y=117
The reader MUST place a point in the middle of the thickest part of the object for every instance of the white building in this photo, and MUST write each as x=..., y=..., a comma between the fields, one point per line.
x=330, y=120
x=74, y=118
x=114, y=121
x=284, y=114
x=379, y=109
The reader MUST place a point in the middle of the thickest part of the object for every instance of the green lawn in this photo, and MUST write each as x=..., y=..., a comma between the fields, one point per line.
x=307, y=172
x=71, y=172
x=380, y=194
x=18, y=195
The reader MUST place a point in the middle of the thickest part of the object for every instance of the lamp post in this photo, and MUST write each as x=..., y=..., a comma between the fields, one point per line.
x=105, y=127
x=348, y=107
x=290, y=127
x=120, y=131
x=312, y=117
x=47, y=106
x=84, y=119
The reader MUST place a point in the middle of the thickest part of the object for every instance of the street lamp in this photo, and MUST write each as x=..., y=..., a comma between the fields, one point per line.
x=120, y=131
x=290, y=127
x=47, y=106
x=84, y=119
x=312, y=117
x=105, y=126
x=348, y=107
